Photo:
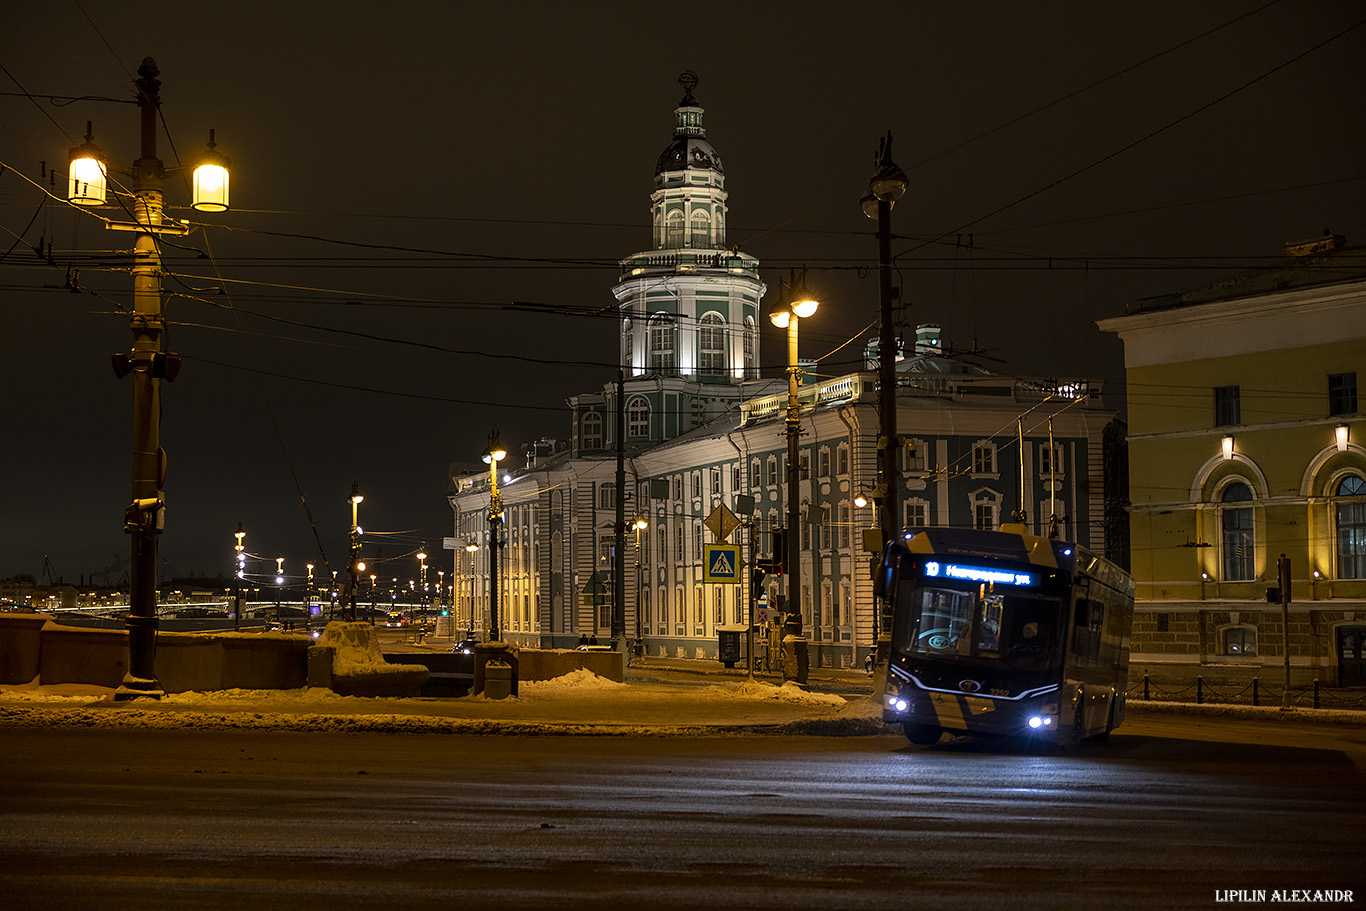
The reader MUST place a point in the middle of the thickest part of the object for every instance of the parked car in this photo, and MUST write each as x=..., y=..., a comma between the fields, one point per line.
x=464, y=647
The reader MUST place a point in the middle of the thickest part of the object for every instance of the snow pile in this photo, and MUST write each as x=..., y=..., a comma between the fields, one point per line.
x=577, y=681
x=356, y=650
x=309, y=695
x=789, y=692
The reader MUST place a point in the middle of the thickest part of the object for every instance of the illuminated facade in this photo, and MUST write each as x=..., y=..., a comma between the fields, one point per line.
x=699, y=429
x=1245, y=444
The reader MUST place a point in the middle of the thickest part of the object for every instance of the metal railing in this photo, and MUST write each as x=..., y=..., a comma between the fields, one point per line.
x=1255, y=693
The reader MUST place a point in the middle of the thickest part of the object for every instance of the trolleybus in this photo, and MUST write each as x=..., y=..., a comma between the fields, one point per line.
x=999, y=633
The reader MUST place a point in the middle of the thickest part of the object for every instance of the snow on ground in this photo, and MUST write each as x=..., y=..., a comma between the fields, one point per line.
x=577, y=703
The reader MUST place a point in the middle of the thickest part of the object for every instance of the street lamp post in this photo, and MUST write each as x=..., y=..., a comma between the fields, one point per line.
x=887, y=185
x=357, y=567
x=237, y=580
x=795, y=306
x=308, y=598
x=279, y=581
x=422, y=580
x=493, y=455
x=144, y=518
x=640, y=524
x=470, y=548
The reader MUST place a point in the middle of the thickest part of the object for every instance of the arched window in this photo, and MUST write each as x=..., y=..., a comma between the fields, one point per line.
x=1237, y=537
x=661, y=344
x=701, y=231
x=711, y=344
x=628, y=343
x=674, y=230
x=592, y=431
x=1351, y=527
x=638, y=417
x=751, y=334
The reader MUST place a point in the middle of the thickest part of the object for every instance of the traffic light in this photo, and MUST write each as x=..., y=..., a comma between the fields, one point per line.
x=779, y=551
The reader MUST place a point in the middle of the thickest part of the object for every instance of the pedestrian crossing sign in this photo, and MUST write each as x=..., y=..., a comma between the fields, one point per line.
x=722, y=563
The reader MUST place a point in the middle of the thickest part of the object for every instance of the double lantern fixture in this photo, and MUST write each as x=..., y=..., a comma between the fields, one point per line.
x=88, y=176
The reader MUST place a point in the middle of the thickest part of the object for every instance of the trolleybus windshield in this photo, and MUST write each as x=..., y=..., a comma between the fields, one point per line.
x=1014, y=623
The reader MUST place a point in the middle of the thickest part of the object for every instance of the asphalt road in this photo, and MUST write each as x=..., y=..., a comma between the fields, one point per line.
x=1163, y=816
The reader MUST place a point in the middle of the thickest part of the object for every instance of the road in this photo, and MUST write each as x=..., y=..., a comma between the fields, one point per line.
x=1165, y=814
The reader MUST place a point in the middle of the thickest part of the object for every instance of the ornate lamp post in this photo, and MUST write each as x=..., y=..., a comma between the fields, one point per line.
x=795, y=305
x=279, y=581
x=493, y=455
x=422, y=579
x=308, y=598
x=144, y=518
x=237, y=579
x=885, y=187
x=470, y=548
x=357, y=567
x=640, y=524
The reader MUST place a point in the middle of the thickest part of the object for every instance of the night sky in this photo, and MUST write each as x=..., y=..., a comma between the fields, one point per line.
x=404, y=172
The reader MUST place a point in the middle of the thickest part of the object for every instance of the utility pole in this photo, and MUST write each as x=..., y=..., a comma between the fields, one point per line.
x=887, y=185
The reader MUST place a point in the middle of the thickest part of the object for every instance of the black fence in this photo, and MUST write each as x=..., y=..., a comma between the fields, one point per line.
x=1253, y=693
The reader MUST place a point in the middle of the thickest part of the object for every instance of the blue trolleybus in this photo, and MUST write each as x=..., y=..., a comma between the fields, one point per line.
x=999, y=633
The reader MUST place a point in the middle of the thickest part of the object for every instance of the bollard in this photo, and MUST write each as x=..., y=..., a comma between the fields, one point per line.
x=497, y=679
x=1254, y=692
x=1199, y=690
x=1316, y=692
x=1146, y=696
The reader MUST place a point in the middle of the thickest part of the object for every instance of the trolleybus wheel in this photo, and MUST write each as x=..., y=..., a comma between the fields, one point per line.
x=922, y=734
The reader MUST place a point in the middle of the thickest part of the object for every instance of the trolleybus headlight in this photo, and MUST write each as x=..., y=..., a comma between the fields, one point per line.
x=1036, y=722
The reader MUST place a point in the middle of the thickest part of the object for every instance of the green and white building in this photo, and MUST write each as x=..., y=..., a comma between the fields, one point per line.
x=701, y=430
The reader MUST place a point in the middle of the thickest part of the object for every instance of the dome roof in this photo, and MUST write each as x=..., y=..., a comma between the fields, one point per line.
x=688, y=152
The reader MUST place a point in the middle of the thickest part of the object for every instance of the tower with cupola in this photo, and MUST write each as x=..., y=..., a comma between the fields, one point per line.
x=688, y=305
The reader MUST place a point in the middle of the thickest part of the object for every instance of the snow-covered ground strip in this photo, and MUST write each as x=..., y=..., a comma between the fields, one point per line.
x=577, y=703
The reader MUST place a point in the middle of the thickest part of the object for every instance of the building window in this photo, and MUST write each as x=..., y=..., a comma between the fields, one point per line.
x=845, y=523
x=607, y=496
x=678, y=540
x=701, y=230
x=711, y=345
x=751, y=334
x=1342, y=393
x=696, y=484
x=917, y=513
x=1351, y=528
x=645, y=608
x=823, y=463
x=914, y=455
x=678, y=611
x=984, y=458
x=1236, y=521
x=627, y=343
x=1227, y=407
x=772, y=471
x=986, y=511
x=592, y=431
x=1050, y=461
x=638, y=417
x=719, y=611
x=674, y=226
x=697, y=542
x=1237, y=641
x=606, y=549
x=804, y=465
x=716, y=480
x=842, y=461
x=661, y=334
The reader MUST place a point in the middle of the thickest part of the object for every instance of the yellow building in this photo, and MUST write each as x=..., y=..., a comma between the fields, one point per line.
x=1246, y=444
